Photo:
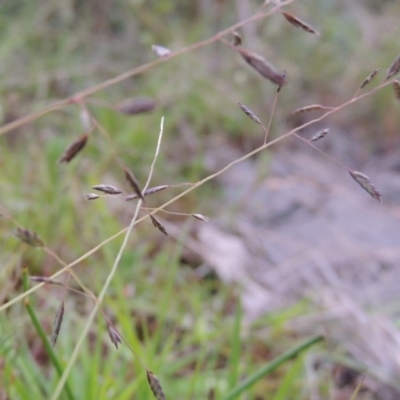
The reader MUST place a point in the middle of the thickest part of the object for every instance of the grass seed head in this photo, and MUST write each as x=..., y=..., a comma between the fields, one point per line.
x=108, y=189
x=133, y=182
x=396, y=89
x=155, y=386
x=394, y=69
x=369, y=78
x=313, y=107
x=147, y=192
x=365, y=183
x=115, y=336
x=298, y=23
x=262, y=66
x=249, y=113
x=57, y=324
x=136, y=106
x=320, y=134
x=91, y=196
x=158, y=225
x=201, y=217
x=29, y=237
x=44, y=279
x=74, y=148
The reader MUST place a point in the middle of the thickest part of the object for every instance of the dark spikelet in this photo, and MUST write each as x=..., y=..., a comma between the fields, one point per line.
x=155, y=386
x=313, y=107
x=365, y=183
x=133, y=182
x=201, y=217
x=394, y=69
x=237, y=39
x=91, y=196
x=147, y=192
x=249, y=113
x=396, y=89
x=106, y=189
x=44, y=279
x=115, y=336
x=298, y=23
x=29, y=237
x=136, y=106
x=262, y=66
x=158, y=225
x=74, y=148
x=319, y=135
x=369, y=78
x=57, y=324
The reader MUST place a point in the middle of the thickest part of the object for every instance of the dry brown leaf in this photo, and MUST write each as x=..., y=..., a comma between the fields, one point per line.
x=298, y=23
x=394, y=69
x=262, y=66
x=249, y=113
x=365, y=183
x=74, y=148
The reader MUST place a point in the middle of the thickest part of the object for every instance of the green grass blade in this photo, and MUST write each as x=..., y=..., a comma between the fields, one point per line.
x=271, y=366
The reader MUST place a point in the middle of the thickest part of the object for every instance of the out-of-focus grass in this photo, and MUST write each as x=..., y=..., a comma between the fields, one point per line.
x=182, y=327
